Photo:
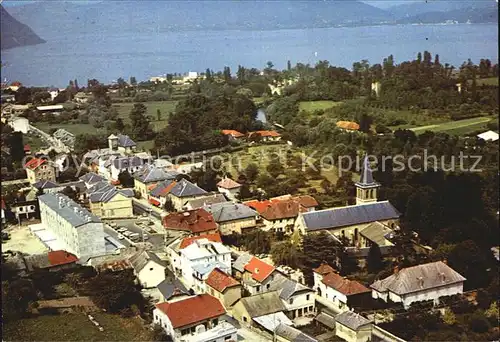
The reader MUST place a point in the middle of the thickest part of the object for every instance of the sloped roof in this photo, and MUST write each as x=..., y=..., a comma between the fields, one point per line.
x=50, y=259
x=228, y=183
x=287, y=287
x=266, y=133
x=169, y=288
x=126, y=162
x=488, y=135
x=141, y=259
x=263, y=304
x=259, y=269
x=192, y=310
x=293, y=335
x=125, y=141
x=33, y=163
x=227, y=211
x=195, y=221
x=206, y=268
x=207, y=200
x=185, y=188
x=232, y=132
x=150, y=173
x=348, y=125
x=270, y=322
x=240, y=263
x=343, y=285
x=72, y=212
x=350, y=215
x=45, y=184
x=366, y=179
x=220, y=281
x=215, y=237
x=92, y=178
x=377, y=233
x=419, y=278
x=282, y=207
x=352, y=320
x=324, y=269
x=105, y=192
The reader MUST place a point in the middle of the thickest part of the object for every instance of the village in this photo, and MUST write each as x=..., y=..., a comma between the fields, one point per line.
x=195, y=255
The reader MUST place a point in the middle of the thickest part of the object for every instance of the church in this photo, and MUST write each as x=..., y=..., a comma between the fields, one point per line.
x=367, y=222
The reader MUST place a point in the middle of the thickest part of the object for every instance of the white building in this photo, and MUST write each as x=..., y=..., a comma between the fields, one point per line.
x=76, y=229
x=20, y=124
x=199, y=259
x=419, y=283
x=195, y=319
x=230, y=188
x=299, y=300
x=148, y=268
x=488, y=136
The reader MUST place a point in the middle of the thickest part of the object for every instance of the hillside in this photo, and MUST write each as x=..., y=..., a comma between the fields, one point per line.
x=417, y=8
x=14, y=33
x=472, y=15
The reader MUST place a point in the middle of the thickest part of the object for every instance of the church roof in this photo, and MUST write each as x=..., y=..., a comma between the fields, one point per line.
x=366, y=179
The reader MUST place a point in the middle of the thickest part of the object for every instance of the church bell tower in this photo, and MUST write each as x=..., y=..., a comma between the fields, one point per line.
x=366, y=188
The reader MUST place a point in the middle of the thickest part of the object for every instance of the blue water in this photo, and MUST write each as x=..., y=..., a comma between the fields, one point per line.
x=107, y=57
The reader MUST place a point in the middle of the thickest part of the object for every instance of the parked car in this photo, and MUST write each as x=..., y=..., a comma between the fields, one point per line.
x=134, y=235
x=121, y=230
x=121, y=237
x=113, y=225
x=127, y=233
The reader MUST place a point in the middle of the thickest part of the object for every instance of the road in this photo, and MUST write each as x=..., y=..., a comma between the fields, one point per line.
x=53, y=142
x=140, y=208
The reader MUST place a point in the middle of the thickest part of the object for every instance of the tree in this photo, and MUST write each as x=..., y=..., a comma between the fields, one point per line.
x=169, y=206
x=17, y=295
x=275, y=168
x=133, y=81
x=16, y=146
x=70, y=192
x=140, y=125
x=257, y=241
x=240, y=74
x=119, y=125
x=285, y=253
x=160, y=335
x=288, y=65
x=158, y=114
x=227, y=74
x=374, y=260
x=126, y=179
x=251, y=172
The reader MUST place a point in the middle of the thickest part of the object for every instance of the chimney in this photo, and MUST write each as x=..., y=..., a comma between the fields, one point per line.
x=420, y=281
x=442, y=276
x=256, y=271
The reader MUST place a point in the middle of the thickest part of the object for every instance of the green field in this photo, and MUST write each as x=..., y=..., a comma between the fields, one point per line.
x=76, y=327
x=165, y=107
x=76, y=129
x=311, y=106
x=459, y=127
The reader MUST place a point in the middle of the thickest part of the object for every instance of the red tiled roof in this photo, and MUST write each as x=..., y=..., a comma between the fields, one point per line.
x=259, y=269
x=232, y=132
x=282, y=207
x=195, y=221
x=267, y=133
x=215, y=237
x=307, y=201
x=33, y=163
x=220, y=281
x=154, y=202
x=57, y=258
x=228, y=183
x=324, y=269
x=348, y=125
x=344, y=286
x=192, y=310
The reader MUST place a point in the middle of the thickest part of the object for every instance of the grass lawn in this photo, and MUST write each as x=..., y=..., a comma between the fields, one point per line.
x=76, y=327
x=35, y=142
x=258, y=100
x=165, y=108
x=311, y=106
x=72, y=128
x=459, y=127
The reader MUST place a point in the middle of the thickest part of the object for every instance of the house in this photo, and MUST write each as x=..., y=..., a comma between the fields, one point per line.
x=378, y=234
x=107, y=201
x=148, y=176
x=39, y=169
x=280, y=213
x=299, y=300
x=195, y=319
x=200, y=258
x=6, y=98
x=121, y=143
x=233, y=217
x=255, y=274
x=118, y=165
x=223, y=287
x=52, y=261
x=341, y=293
x=232, y=134
x=230, y=188
x=488, y=136
x=286, y=333
x=264, y=136
x=20, y=124
x=352, y=327
x=172, y=290
x=178, y=192
x=67, y=138
x=195, y=222
x=264, y=309
x=419, y=283
x=348, y=221
x=25, y=210
x=73, y=228
x=206, y=200
x=348, y=126
x=91, y=178
x=51, y=109
x=174, y=249
x=148, y=268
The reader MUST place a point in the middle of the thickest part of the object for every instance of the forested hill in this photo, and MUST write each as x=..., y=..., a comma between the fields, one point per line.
x=487, y=14
x=14, y=33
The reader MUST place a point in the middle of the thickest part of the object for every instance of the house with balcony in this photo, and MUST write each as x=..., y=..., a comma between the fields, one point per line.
x=195, y=319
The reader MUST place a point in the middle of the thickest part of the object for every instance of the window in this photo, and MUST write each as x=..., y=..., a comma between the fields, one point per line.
x=245, y=319
x=268, y=286
x=227, y=338
x=307, y=297
x=151, y=269
x=258, y=288
x=291, y=301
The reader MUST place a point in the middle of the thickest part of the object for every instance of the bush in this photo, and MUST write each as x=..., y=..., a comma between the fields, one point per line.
x=479, y=323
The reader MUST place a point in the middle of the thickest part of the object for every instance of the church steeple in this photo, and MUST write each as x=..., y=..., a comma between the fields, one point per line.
x=366, y=188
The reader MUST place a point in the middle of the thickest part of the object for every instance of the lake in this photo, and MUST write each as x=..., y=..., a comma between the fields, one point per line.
x=108, y=57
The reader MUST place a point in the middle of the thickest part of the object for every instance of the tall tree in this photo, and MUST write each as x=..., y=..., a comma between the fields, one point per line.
x=139, y=122
x=374, y=260
x=227, y=74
